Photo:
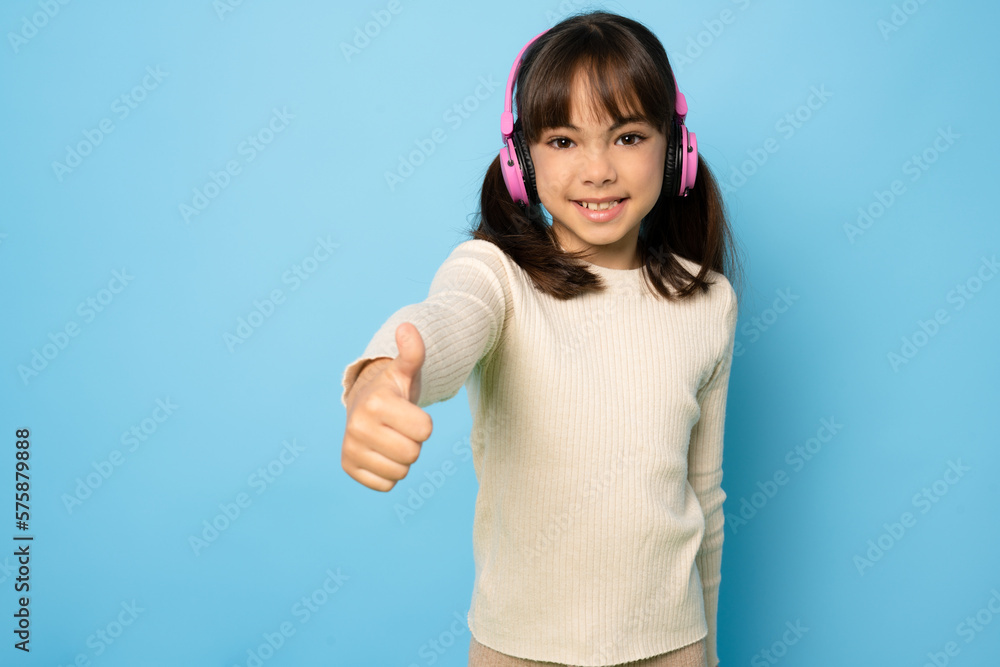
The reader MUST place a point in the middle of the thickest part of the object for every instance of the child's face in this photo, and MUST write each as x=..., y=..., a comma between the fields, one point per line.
x=595, y=162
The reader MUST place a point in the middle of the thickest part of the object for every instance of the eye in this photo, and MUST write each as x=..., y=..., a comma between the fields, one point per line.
x=636, y=138
x=557, y=141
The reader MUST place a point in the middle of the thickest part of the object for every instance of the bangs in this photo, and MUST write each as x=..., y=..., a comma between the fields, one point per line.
x=621, y=73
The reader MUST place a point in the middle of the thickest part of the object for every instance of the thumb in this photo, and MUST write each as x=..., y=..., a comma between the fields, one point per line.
x=411, y=350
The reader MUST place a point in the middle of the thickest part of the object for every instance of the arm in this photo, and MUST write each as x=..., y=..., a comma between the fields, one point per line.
x=460, y=322
x=705, y=475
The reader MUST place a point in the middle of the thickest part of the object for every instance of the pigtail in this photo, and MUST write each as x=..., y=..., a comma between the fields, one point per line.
x=524, y=234
x=696, y=228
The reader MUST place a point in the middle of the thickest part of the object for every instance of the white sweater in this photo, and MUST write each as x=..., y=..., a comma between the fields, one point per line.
x=597, y=442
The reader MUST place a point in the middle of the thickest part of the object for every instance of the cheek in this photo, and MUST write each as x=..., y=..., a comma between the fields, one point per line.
x=549, y=178
x=655, y=161
x=651, y=171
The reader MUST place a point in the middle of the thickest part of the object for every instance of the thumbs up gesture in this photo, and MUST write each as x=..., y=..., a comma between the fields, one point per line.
x=385, y=429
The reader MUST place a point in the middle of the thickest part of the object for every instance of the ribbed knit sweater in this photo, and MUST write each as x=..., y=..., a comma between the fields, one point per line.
x=597, y=442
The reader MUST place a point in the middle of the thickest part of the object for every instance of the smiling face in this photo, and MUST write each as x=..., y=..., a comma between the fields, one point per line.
x=593, y=163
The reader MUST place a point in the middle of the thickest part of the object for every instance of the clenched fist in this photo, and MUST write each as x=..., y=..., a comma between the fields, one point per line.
x=385, y=429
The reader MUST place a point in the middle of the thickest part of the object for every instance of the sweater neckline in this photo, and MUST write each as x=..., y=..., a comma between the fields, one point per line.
x=622, y=281
x=610, y=270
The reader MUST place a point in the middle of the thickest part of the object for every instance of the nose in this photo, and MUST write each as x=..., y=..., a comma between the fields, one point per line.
x=597, y=168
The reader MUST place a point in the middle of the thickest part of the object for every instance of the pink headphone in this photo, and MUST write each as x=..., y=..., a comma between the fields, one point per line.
x=519, y=173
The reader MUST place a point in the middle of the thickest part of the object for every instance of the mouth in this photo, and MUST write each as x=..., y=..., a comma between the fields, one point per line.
x=599, y=204
x=601, y=211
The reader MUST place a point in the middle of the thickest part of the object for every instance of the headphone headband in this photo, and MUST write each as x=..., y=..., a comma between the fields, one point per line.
x=507, y=117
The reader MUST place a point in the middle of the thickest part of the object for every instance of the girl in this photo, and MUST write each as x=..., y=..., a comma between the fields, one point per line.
x=596, y=350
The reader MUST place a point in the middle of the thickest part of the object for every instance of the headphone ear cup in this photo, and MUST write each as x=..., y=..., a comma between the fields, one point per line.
x=524, y=159
x=672, y=166
x=681, y=168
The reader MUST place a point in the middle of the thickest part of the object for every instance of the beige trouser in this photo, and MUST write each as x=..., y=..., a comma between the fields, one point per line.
x=692, y=655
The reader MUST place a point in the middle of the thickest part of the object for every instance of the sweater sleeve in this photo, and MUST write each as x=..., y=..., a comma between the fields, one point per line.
x=705, y=474
x=460, y=322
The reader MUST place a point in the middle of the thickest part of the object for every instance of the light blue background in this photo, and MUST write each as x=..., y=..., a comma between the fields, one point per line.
x=323, y=177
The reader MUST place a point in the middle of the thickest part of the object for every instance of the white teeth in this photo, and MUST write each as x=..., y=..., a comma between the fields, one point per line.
x=599, y=207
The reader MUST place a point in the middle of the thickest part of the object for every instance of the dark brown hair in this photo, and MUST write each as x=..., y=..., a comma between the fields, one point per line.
x=628, y=71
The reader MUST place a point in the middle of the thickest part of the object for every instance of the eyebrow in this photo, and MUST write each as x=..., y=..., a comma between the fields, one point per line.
x=614, y=126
